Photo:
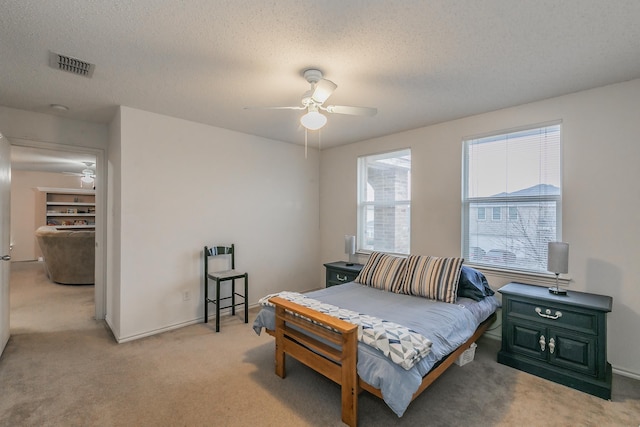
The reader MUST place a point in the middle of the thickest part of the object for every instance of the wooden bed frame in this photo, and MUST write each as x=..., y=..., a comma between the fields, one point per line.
x=339, y=365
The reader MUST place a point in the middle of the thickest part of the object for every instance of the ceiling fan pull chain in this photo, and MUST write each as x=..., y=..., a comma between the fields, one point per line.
x=305, y=142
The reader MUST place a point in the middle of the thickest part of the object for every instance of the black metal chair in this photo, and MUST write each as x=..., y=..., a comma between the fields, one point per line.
x=223, y=276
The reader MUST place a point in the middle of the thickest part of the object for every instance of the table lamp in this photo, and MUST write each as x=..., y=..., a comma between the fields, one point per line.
x=350, y=247
x=557, y=263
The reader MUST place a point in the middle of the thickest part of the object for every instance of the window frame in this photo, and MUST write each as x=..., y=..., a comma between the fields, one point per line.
x=508, y=201
x=362, y=205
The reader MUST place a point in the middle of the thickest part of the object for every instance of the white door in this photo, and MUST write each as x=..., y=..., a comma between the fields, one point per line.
x=5, y=230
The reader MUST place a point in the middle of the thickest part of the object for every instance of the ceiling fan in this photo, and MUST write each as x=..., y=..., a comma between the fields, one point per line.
x=87, y=174
x=313, y=101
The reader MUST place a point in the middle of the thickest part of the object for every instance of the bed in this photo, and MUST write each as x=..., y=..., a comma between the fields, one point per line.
x=330, y=345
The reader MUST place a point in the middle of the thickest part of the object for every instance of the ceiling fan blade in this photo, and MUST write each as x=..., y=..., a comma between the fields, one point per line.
x=276, y=108
x=354, y=111
x=323, y=90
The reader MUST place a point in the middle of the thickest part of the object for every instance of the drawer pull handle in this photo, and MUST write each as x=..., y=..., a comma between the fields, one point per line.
x=342, y=278
x=547, y=314
x=542, y=342
x=552, y=345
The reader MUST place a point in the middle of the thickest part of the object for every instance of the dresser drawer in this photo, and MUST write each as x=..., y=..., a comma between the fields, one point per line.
x=340, y=276
x=556, y=315
x=341, y=272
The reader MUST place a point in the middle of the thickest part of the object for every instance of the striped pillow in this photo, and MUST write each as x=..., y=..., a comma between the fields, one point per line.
x=432, y=277
x=383, y=271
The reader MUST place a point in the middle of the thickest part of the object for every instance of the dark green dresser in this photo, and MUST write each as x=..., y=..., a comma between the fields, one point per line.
x=339, y=272
x=560, y=338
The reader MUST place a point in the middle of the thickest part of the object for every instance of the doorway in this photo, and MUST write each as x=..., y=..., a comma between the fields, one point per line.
x=63, y=159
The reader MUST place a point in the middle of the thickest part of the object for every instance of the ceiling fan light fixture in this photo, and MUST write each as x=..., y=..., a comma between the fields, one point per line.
x=313, y=120
x=313, y=100
x=87, y=179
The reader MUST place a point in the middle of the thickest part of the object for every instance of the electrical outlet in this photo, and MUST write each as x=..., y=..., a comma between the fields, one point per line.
x=186, y=296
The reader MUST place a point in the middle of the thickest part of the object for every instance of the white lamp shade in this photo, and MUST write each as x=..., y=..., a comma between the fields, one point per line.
x=313, y=120
x=349, y=244
x=558, y=257
x=323, y=90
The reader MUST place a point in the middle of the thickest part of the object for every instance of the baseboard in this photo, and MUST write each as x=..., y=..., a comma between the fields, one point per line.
x=225, y=312
x=108, y=323
x=157, y=331
x=627, y=374
x=492, y=336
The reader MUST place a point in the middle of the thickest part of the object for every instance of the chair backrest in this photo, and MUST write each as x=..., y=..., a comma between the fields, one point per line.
x=214, y=251
x=69, y=255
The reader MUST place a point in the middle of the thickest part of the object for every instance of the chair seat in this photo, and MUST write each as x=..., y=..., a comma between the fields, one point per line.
x=226, y=275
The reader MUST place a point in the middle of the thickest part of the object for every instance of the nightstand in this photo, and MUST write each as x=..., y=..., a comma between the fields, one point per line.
x=339, y=272
x=559, y=338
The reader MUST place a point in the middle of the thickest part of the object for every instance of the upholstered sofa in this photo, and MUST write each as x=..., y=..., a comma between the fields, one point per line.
x=69, y=255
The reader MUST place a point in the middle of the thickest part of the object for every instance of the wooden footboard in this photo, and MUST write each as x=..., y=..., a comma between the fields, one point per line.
x=338, y=365
x=337, y=362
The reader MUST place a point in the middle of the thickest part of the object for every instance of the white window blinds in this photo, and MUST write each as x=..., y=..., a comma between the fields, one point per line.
x=511, y=198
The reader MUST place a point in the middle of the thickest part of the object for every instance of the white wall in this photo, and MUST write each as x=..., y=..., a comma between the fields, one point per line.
x=114, y=229
x=184, y=185
x=44, y=128
x=25, y=218
x=600, y=205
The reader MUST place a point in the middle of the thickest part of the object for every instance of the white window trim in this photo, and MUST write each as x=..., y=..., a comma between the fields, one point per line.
x=362, y=205
x=538, y=277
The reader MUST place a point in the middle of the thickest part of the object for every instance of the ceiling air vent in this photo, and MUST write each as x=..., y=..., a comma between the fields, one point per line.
x=71, y=65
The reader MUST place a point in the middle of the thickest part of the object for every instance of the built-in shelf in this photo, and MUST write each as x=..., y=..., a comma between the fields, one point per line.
x=66, y=208
x=49, y=214
x=69, y=204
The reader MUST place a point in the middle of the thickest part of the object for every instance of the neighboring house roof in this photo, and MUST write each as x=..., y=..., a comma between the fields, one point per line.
x=536, y=190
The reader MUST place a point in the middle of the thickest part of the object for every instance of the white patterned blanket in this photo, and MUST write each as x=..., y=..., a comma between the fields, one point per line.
x=400, y=344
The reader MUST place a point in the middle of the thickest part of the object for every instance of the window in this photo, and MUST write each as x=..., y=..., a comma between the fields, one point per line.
x=497, y=213
x=384, y=202
x=513, y=213
x=518, y=173
x=482, y=214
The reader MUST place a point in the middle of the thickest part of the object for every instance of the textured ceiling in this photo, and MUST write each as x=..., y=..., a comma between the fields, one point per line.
x=39, y=159
x=419, y=62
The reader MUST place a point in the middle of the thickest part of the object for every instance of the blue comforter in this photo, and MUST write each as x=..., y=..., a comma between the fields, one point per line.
x=447, y=326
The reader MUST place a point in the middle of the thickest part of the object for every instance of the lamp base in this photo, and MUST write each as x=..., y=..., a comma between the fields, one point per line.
x=557, y=291
x=351, y=260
